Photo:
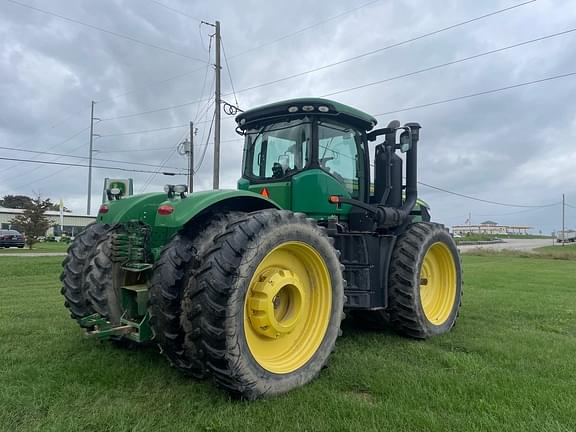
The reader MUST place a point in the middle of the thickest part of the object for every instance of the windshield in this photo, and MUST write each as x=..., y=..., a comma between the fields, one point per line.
x=277, y=150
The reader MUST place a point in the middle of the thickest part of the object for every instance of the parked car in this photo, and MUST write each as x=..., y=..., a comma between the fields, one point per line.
x=11, y=238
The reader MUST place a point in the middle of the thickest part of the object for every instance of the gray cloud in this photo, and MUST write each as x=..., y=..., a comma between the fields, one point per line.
x=515, y=146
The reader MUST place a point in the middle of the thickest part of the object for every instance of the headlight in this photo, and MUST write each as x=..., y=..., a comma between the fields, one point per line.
x=180, y=189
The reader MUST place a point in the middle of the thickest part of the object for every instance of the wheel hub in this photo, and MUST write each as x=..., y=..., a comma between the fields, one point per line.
x=276, y=302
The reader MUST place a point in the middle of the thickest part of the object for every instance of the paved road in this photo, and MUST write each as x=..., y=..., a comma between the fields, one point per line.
x=515, y=244
x=33, y=254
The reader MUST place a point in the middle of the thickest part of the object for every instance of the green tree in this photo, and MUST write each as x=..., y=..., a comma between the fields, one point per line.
x=33, y=223
x=16, y=201
x=23, y=201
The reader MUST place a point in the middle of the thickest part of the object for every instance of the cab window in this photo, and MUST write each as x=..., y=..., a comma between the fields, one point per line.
x=277, y=150
x=338, y=154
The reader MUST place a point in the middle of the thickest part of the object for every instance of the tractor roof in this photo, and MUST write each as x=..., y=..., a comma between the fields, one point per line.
x=317, y=106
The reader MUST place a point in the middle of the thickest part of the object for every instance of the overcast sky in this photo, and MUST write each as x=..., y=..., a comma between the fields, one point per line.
x=515, y=146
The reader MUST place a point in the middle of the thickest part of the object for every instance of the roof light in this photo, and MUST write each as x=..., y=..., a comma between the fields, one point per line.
x=323, y=108
x=103, y=209
x=308, y=108
x=292, y=109
x=115, y=191
x=180, y=189
x=165, y=210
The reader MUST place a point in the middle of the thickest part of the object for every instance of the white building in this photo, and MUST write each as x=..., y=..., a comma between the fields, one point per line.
x=73, y=223
x=490, y=228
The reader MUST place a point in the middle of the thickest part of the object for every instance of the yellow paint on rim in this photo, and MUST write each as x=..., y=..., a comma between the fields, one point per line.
x=438, y=283
x=287, y=307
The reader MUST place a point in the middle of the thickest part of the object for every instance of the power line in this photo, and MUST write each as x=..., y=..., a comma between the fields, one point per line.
x=175, y=10
x=168, y=108
x=41, y=178
x=206, y=146
x=230, y=73
x=184, y=74
x=483, y=200
x=311, y=26
x=393, y=78
x=450, y=63
x=103, y=30
x=85, y=166
x=74, y=135
x=369, y=53
x=144, y=131
x=164, y=162
x=83, y=157
x=482, y=93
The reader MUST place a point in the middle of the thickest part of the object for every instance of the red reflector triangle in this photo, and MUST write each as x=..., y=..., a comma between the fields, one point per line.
x=265, y=193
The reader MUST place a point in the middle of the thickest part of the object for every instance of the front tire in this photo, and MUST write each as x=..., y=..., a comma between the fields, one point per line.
x=425, y=282
x=273, y=303
x=75, y=270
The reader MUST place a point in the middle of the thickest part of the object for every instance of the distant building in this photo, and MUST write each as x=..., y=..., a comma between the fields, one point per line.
x=73, y=223
x=491, y=228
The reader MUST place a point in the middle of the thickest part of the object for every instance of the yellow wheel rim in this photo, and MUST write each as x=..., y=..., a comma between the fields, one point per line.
x=287, y=307
x=438, y=283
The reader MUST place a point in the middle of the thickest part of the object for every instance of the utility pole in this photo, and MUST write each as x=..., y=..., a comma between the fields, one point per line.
x=88, y=203
x=563, y=226
x=217, y=102
x=191, y=160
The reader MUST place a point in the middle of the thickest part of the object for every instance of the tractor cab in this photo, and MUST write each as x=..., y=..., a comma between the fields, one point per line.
x=309, y=154
x=301, y=151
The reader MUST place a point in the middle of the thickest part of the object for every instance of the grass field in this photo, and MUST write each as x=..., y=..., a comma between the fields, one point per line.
x=38, y=247
x=507, y=366
x=556, y=252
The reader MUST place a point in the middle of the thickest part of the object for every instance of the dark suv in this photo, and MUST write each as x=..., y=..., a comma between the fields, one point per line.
x=11, y=238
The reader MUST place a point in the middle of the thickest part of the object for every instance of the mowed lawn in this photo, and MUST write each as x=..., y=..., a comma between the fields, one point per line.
x=48, y=247
x=509, y=365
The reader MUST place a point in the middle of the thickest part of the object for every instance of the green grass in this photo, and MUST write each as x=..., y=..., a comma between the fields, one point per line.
x=556, y=252
x=508, y=366
x=37, y=248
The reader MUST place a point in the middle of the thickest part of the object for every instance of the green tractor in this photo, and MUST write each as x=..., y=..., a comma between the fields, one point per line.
x=250, y=286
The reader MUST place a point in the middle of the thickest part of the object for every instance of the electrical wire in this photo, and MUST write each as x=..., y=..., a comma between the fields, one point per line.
x=378, y=50
x=407, y=41
x=71, y=137
x=472, y=95
x=103, y=30
x=143, y=131
x=84, y=166
x=195, y=170
x=83, y=157
x=164, y=162
x=450, y=63
x=483, y=200
x=385, y=80
x=175, y=10
x=228, y=69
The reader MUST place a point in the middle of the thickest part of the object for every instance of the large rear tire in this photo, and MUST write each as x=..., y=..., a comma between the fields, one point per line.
x=273, y=303
x=75, y=269
x=179, y=338
x=425, y=282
